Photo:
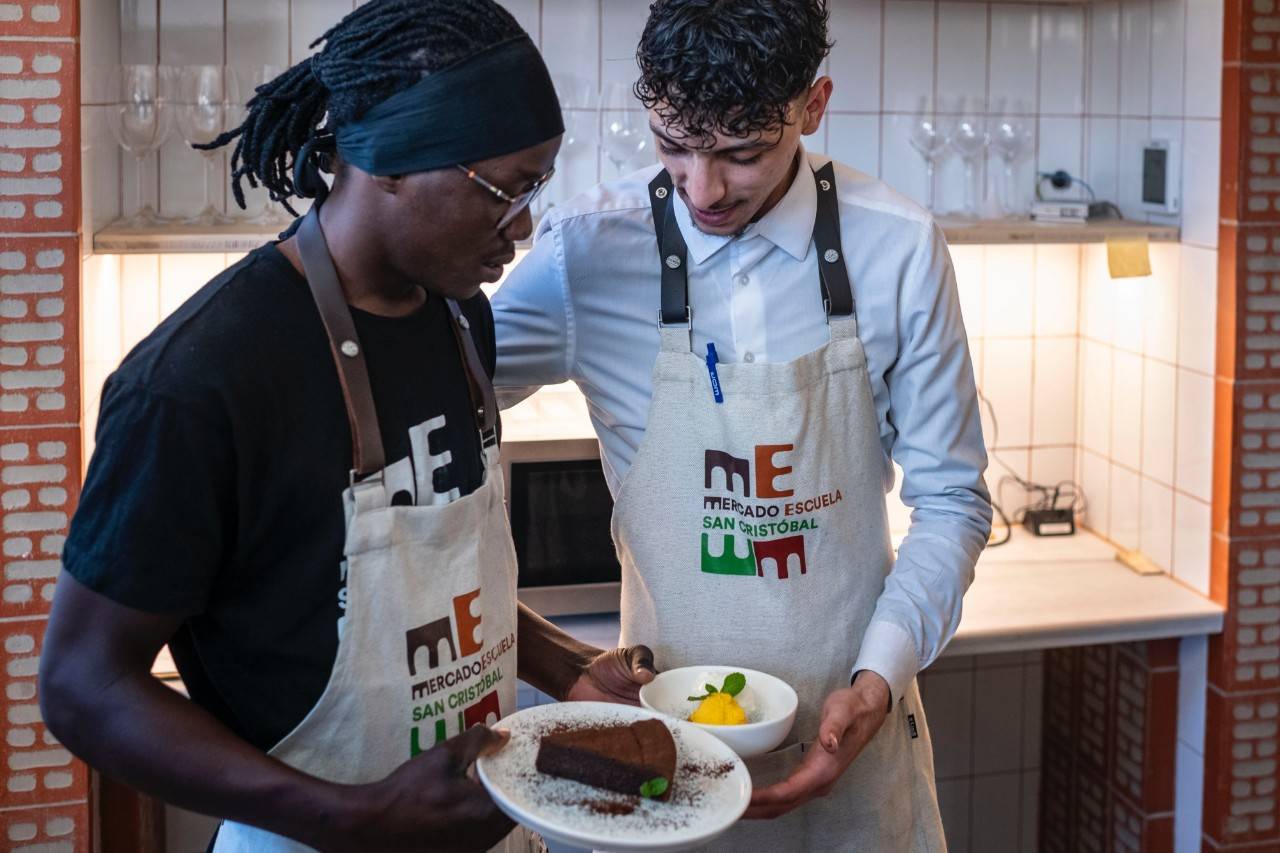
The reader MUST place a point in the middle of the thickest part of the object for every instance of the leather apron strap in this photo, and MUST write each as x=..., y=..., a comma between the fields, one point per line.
x=353, y=372
x=672, y=248
x=837, y=293
x=836, y=290
x=484, y=402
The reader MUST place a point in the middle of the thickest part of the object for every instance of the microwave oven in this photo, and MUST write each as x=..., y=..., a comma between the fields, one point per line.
x=561, y=511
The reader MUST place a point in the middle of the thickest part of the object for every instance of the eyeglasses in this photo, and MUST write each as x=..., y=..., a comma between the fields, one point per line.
x=517, y=203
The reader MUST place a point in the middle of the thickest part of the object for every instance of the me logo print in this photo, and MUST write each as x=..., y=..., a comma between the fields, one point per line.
x=739, y=470
x=432, y=634
x=460, y=689
x=744, y=523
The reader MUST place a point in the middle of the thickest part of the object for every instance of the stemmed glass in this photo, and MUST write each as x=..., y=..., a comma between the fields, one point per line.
x=140, y=120
x=1009, y=138
x=968, y=138
x=258, y=209
x=209, y=97
x=577, y=103
x=929, y=142
x=625, y=131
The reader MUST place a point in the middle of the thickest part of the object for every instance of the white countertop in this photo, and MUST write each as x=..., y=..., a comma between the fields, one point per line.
x=1041, y=593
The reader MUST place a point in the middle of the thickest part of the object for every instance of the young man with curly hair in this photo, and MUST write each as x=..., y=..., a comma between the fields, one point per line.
x=759, y=331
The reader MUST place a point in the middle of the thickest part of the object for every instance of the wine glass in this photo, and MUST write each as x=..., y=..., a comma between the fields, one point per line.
x=140, y=121
x=208, y=102
x=258, y=207
x=624, y=128
x=968, y=138
x=577, y=96
x=929, y=142
x=574, y=91
x=1009, y=138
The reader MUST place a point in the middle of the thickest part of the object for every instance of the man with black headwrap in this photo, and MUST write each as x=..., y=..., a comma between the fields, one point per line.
x=296, y=483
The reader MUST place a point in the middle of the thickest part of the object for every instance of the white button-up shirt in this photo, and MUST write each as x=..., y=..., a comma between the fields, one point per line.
x=583, y=306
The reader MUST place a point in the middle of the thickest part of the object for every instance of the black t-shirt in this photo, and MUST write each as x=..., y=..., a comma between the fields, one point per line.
x=215, y=491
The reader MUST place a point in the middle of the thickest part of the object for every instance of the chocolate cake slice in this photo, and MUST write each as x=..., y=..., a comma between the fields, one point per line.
x=617, y=758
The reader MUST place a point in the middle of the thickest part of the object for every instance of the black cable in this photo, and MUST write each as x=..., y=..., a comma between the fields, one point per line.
x=1049, y=495
x=1008, y=528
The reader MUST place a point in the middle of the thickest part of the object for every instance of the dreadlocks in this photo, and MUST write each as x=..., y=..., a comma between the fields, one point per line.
x=379, y=49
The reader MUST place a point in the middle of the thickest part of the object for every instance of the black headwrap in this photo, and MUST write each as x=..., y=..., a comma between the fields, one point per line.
x=492, y=103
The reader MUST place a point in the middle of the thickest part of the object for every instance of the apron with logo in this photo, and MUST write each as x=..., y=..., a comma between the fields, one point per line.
x=428, y=644
x=753, y=532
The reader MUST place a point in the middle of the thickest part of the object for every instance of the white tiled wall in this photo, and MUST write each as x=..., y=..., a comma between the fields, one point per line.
x=1019, y=305
x=1107, y=382
x=984, y=719
x=1146, y=402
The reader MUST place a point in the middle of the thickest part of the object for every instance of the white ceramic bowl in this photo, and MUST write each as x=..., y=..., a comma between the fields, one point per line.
x=769, y=701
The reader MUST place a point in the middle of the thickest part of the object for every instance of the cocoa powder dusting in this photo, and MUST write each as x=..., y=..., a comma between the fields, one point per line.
x=606, y=807
x=707, y=769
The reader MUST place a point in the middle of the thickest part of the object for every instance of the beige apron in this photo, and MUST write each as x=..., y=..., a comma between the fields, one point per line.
x=428, y=644
x=753, y=532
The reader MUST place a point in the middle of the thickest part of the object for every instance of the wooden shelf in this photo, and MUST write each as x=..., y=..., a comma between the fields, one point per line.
x=996, y=231
x=246, y=237
x=175, y=238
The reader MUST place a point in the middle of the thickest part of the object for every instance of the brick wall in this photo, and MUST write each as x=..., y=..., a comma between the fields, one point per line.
x=1110, y=721
x=45, y=801
x=1241, y=808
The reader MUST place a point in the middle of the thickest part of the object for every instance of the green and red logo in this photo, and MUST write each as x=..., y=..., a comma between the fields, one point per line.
x=752, y=531
x=462, y=689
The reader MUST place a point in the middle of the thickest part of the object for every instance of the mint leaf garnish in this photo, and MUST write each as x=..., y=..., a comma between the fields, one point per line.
x=733, y=684
x=655, y=787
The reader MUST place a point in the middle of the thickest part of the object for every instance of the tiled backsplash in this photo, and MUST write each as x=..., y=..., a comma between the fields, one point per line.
x=984, y=719
x=1146, y=426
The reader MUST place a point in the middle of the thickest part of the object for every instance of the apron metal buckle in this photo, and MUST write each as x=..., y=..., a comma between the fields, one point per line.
x=826, y=309
x=688, y=320
x=688, y=317
x=378, y=477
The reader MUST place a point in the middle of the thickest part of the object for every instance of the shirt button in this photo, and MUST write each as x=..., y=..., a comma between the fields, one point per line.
x=748, y=356
x=742, y=279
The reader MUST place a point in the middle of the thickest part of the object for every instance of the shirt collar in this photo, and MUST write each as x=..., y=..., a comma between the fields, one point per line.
x=789, y=225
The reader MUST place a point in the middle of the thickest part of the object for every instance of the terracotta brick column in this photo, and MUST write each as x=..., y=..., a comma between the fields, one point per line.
x=1110, y=730
x=45, y=798
x=1243, y=710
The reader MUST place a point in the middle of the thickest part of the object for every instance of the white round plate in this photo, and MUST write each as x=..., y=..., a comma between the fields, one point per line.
x=710, y=792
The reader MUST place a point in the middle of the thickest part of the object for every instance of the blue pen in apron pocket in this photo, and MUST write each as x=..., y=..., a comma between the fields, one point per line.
x=712, y=358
